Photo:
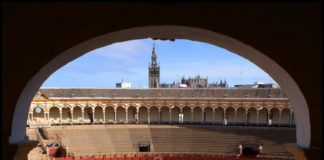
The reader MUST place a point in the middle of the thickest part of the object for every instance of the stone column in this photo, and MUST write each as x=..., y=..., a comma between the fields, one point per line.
x=82, y=110
x=71, y=116
x=235, y=113
x=192, y=115
x=137, y=115
x=115, y=115
x=126, y=111
x=268, y=118
x=170, y=115
x=93, y=116
x=160, y=116
x=104, y=115
x=279, y=118
x=181, y=119
x=202, y=116
x=45, y=116
x=257, y=122
x=148, y=116
x=61, y=116
x=213, y=115
x=224, y=117
x=246, y=117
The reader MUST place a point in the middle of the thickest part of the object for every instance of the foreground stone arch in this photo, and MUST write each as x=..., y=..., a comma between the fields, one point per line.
x=179, y=32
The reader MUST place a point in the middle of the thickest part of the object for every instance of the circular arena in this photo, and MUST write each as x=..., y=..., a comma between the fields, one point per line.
x=161, y=123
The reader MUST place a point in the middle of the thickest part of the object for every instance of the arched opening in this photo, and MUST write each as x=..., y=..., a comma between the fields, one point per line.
x=208, y=115
x=88, y=115
x=98, y=112
x=54, y=115
x=143, y=114
x=274, y=117
x=77, y=115
x=252, y=116
x=197, y=115
x=285, y=117
x=240, y=116
x=230, y=116
x=265, y=63
x=131, y=111
x=165, y=115
x=175, y=115
x=219, y=116
x=121, y=114
x=66, y=115
x=154, y=115
x=38, y=115
x=186, y=115
x=109, y=115
x=263, y=117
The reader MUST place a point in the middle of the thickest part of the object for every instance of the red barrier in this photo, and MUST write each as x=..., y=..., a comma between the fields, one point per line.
x=168, y=158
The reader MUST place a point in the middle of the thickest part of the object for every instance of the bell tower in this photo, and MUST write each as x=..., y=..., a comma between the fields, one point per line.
x=154, y=71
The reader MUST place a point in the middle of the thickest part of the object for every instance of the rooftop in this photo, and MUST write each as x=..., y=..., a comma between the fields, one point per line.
x=166, y=92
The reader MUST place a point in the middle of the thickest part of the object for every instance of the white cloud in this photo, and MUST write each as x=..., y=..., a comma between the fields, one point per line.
x=127, y=52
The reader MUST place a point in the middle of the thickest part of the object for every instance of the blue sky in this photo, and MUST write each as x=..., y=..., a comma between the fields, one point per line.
x=129, y=60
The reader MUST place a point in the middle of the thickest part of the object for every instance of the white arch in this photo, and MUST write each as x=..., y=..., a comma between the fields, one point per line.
x=18, y=134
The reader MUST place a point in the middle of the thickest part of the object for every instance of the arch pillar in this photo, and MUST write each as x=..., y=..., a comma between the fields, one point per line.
x=280, y=117
x=160, y=115
x=213, y=115
x=115, y=115
x=126, y=111
x=170, y=115
x=181, y=118
x=148, y=115
x=45, y=119
x=82, y=110
x=71, y=122
x=192, y=115
x=104, y=115
x=224, y=117
x=257, y=117
x=93, y=115
x=235, y=112
x=137, y=116
x=246, y=117
x=268, y=117
x=60, y=115
x=202, y=115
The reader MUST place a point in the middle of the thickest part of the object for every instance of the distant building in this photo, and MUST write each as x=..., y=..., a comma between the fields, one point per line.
x=196, y=82
x=123, y=85
x=257, y=85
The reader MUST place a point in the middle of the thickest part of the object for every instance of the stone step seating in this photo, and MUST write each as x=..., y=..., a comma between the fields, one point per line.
x=172, y=138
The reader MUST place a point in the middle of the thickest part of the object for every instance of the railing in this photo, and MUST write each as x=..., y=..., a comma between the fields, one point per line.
x=39, y=124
